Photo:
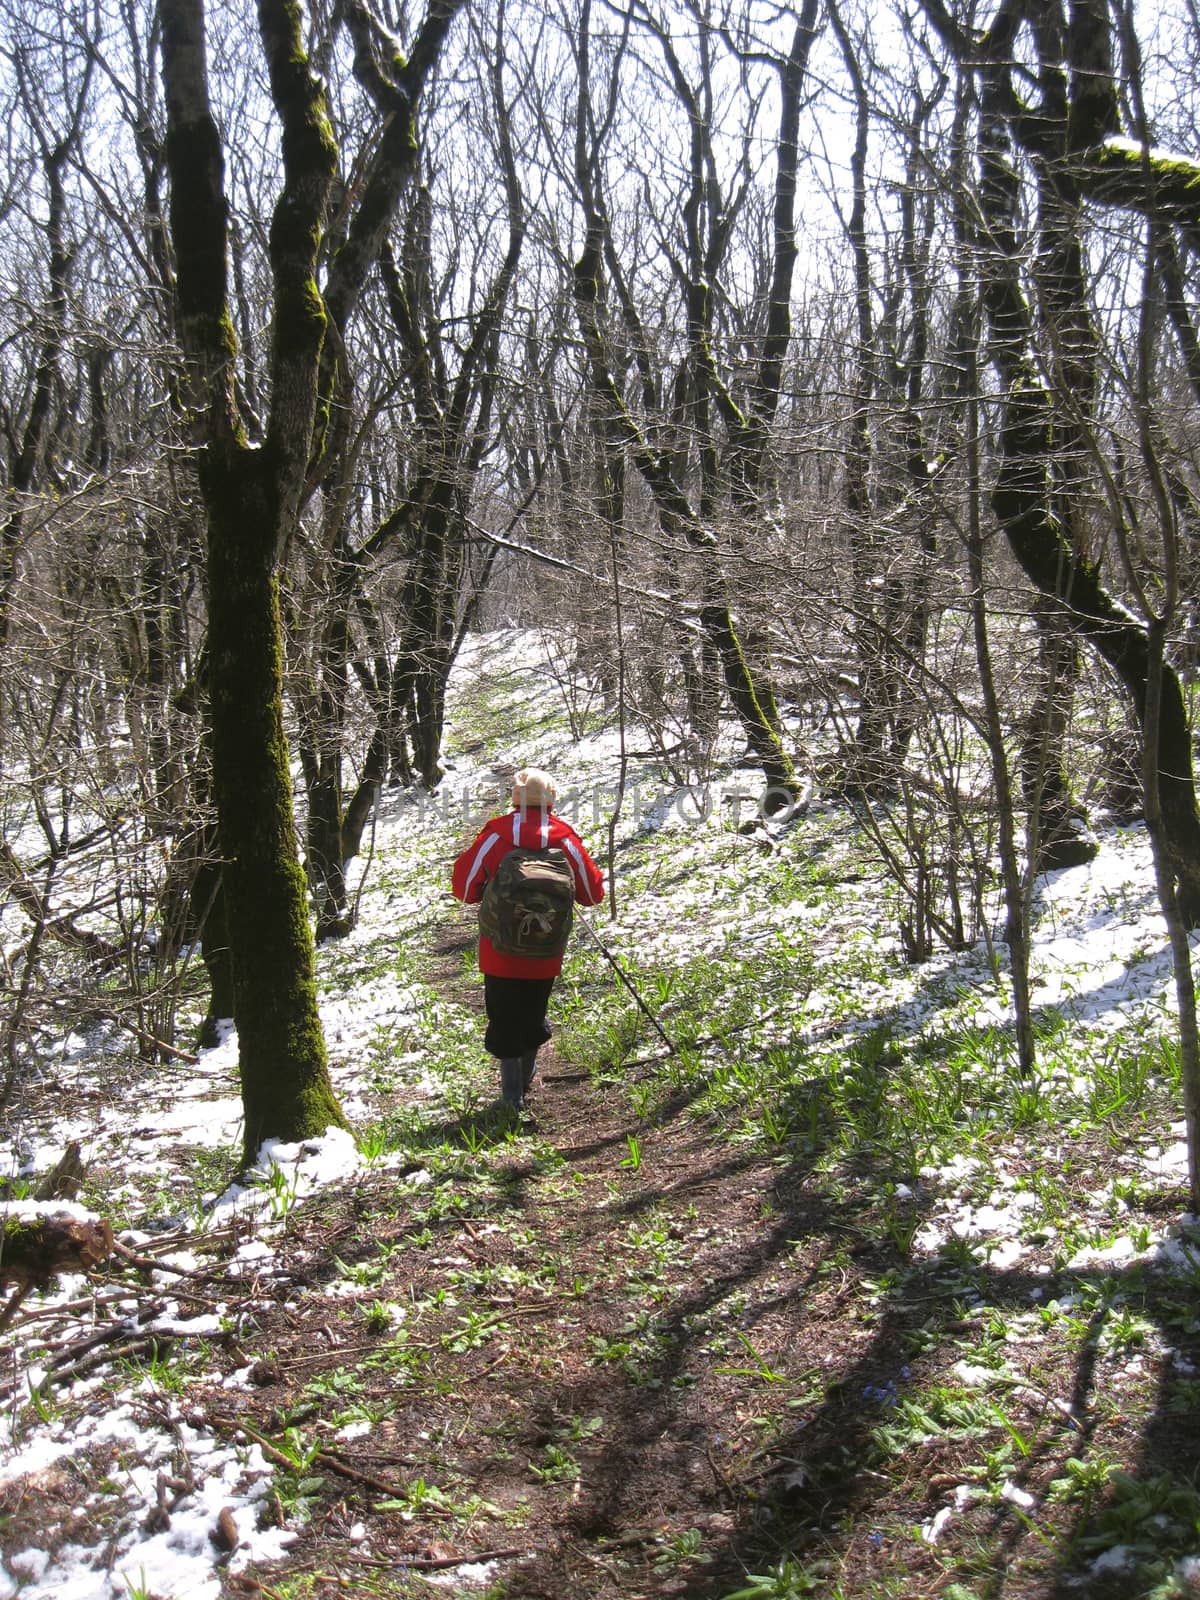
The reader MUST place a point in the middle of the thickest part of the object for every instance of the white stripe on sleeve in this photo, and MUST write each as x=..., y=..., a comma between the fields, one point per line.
x=477, y=864
x=581, y=876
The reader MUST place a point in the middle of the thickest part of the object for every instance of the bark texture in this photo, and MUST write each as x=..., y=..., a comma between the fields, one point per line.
x=251, y=499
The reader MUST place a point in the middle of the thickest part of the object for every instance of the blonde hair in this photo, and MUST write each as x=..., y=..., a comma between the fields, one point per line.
x=533, y=787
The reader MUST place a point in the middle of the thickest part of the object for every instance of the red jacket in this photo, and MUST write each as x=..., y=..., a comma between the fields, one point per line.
x=534, y=829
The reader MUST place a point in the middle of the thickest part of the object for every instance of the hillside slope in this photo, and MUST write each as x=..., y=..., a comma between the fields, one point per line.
x=826, y=1301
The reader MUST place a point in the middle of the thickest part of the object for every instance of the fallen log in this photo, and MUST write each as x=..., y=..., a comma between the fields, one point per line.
x=33, y=1249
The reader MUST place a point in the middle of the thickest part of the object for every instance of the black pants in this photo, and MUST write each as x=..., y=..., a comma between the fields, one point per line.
x=516, y=1012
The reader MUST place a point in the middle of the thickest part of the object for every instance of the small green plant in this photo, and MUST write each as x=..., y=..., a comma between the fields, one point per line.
x=911, y=1422
x=633, y=1160
x=759, y=1368
x=374, y=1143
x=560, y=1466
x=474, y=1139
x=297, y=1486
x=45, y=1406
x=1029, y=1104
x=1154, y=1516
x=378, y=1317
x=281, y=1190
x=682, y=1548
x=159, y=1369
x=1022, y=1441
x=775, y=1126
x=422, y=1496
x=404, y=1363
x=473, y=1331
x=641, y=1098
x=580, y=1428
x=300, y=1452
x=336, y=1385
x=900, y=1218
x=787, y=1581
x=1081, y=1480
x=364, y=1273
x=1125, y=1331
x=605, y=1349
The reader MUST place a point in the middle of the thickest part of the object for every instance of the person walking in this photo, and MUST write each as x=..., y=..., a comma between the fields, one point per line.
x=524, y=925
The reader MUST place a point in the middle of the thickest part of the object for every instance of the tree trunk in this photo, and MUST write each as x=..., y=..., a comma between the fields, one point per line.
x=753, y=702
x=251, y=500
x=1058, y=830
x=208, y=897
x=1022, y=503
x=1022, y=508
x=286, y=1091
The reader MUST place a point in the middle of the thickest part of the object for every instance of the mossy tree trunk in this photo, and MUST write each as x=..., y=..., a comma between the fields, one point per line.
x=1058, y=832
x=1020, y=502
x=251, y=500
x=253, y=496
x=285, y=1086
x=1067, y=137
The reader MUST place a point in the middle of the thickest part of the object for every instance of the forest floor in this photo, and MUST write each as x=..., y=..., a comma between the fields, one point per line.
x=829, y=1302
x=599, y=1356
x=651, y=1365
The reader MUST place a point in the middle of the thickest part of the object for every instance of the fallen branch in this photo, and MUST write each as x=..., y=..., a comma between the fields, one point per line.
x=437, y=1563
x=125, y=1328
x=175, y=1241
x=154, y=1265
x=150, y=1344
x=322, y=1458
x=13, y=1305
x=65, y=1310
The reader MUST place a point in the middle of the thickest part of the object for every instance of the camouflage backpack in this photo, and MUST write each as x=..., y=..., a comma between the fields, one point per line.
x=527, y=907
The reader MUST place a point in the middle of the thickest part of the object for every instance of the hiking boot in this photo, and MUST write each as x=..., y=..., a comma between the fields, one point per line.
x=512, y=1081
x=528, y=1068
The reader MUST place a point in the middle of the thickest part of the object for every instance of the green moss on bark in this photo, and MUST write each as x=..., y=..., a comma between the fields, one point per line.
x=285, y=1082
x=1160, y=185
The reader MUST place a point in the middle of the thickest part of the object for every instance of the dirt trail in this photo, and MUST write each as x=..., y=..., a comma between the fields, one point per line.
x=560, y=1395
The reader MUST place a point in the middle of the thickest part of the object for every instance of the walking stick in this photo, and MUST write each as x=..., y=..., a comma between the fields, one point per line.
x=641, y=1004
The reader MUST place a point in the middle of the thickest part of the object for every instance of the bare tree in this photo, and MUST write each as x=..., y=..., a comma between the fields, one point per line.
x=55, y=114
x=428, y=370
x=685, y=418
x=890, y=510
